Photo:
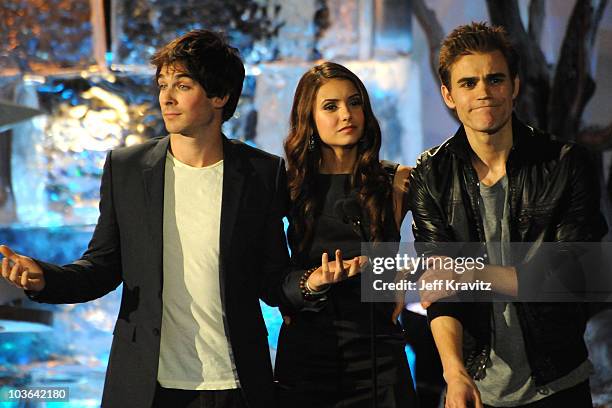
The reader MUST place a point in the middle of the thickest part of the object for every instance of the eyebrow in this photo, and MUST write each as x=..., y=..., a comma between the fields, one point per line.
x=177, y=76
x=335, y=99
x=494, y=75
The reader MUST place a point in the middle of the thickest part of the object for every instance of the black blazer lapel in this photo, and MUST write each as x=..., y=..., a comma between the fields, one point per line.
x=153, y=178
x=233, y=186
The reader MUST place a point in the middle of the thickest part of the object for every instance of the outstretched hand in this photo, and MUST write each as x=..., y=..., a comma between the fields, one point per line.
x=462, y=392
x=438, y=273
x=21, y=271
x=337, y=271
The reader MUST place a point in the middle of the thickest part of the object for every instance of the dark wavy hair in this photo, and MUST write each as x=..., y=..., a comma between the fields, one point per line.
x=475, y=38
x=209, y=60
x=368, y=176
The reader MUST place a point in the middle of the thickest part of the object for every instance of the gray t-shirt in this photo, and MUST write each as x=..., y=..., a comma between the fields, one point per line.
x=508, y=380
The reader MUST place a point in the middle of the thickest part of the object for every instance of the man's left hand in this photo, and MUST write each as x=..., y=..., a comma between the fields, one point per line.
x=435, y=281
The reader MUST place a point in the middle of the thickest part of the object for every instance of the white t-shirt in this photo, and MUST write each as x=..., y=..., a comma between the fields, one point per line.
x=194, y=352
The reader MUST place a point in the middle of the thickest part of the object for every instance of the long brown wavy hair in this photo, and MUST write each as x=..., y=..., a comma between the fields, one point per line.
x=368, y=176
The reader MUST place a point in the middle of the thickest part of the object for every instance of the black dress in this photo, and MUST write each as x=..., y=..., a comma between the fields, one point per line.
x=323, y=357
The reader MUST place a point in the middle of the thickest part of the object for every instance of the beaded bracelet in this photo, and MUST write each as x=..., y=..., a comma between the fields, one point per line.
x=307, y=293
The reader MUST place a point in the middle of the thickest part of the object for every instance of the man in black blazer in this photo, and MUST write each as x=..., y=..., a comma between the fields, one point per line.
x=191, y=224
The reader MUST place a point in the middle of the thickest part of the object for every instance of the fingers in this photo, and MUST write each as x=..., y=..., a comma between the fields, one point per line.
x=339, y=269
x=17, y=274
x=7, y=252
x=462, y=393
x=6, y=268
x=325, y=268
x=21, y=271
x=355, y=268
x=425, y=295
x=434, y=286
x=24, y=279
x=363, y=260
x=332, y=273
x=477, y=400
x=8, y=261
x=339, y=272
x=430, y=262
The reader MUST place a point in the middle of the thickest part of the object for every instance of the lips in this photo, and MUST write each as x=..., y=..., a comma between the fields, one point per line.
x=171, y=114
x=347, y=128
x=486, y=106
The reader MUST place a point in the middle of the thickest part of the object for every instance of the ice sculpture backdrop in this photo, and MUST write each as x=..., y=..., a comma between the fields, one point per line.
x=93, y=104
x=93, y=83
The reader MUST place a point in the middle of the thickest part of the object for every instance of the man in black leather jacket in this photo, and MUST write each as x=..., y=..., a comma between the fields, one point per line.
x=498, y=180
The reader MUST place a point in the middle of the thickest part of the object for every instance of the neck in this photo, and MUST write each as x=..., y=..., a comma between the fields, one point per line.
x=337, y=160
x=491, y=151
x=197, y=151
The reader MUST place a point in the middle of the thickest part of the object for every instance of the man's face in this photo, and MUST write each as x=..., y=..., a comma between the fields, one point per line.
x=481, y=92
x=185, y=107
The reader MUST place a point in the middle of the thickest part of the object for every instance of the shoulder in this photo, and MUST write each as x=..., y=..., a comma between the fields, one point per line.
x=433, y=155
x=135, y=152
x=268, y=167
x=579, y=163
x=397, y=174
x=573, y=152
x=401, y=180
x=253, y=154
x=546, y=147
x=432, y=162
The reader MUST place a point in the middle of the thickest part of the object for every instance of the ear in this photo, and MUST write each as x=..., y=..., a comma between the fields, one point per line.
x=447, y=97
x=517, y=84
x=219, y=102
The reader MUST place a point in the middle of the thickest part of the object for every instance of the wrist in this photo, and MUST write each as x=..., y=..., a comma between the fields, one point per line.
x=309, y=292
x=454, y=373
x=313, y=285
x=476, y=273
x=316, y=290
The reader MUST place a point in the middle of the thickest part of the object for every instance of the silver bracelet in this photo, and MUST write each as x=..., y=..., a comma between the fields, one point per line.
x=316, y=292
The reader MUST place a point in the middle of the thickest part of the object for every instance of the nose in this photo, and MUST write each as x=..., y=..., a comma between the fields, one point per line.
x=166, y=97
x=484, y=89
x=345, y=113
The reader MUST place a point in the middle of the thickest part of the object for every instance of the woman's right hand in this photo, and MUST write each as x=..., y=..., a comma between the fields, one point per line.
x=329, y=273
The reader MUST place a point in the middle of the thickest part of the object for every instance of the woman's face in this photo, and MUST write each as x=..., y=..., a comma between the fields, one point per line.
x=338, y=113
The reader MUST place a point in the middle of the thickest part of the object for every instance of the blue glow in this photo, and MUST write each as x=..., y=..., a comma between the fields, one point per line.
x=67, y=94
x=411, y=356
x=379, y=93
x=50, y=88
x=274, y=320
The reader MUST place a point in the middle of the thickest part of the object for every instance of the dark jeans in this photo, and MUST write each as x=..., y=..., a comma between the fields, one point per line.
x=578, y=396
x=173, y=398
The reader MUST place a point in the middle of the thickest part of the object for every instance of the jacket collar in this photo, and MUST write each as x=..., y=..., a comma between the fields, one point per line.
x=522, y=137
x=157, y=155
x=236, y=170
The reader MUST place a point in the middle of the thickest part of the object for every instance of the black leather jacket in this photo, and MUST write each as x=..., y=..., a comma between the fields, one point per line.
x=554, y=197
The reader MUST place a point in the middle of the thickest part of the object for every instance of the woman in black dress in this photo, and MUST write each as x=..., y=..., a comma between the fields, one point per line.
x=323, y=357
